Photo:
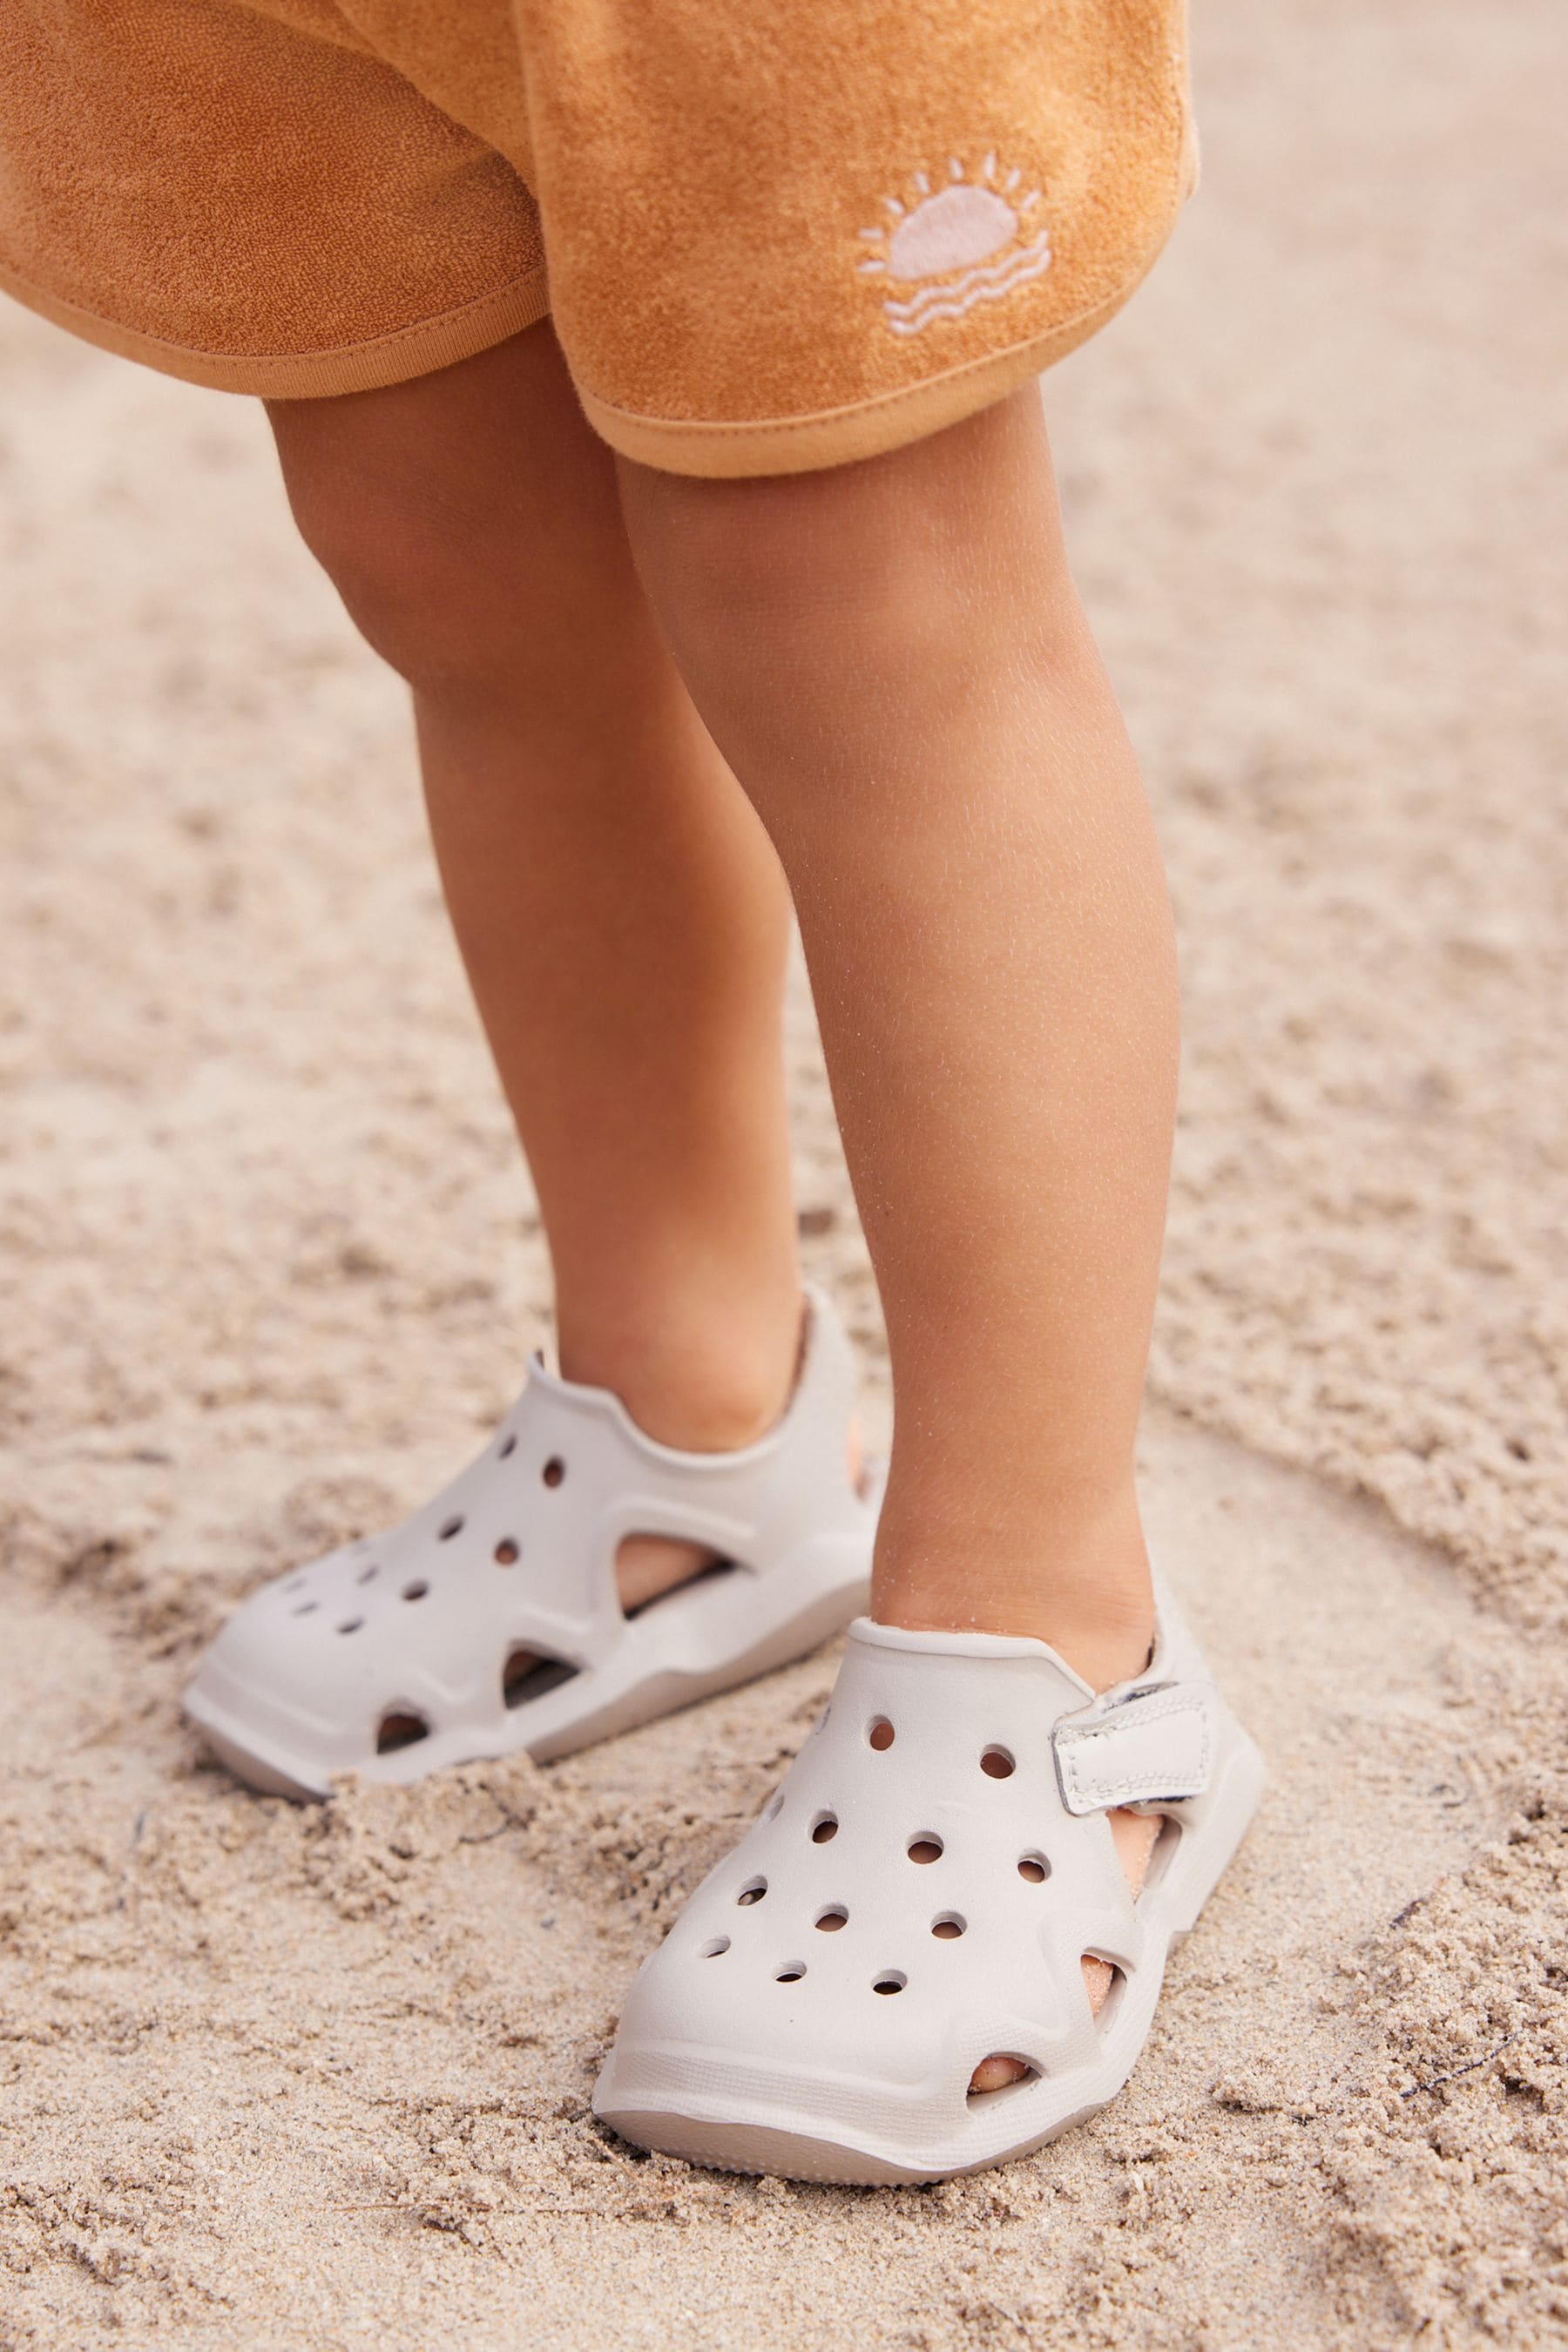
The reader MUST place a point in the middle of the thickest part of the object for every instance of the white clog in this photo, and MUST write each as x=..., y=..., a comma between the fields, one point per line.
x=408, y=1651
x=919, y=1896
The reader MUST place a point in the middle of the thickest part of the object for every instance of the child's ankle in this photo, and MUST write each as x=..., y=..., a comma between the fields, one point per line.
x=704, y=1383
x=1086, y=1591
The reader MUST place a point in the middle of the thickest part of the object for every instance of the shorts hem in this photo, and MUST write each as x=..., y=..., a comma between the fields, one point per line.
x=396, y=358
x=837, y=436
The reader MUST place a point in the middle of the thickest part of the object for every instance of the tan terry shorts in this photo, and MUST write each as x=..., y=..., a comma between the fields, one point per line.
x=772, y=234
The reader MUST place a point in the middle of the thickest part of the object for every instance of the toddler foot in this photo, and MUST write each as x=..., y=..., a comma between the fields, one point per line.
x=516, y=1610
x=887, y=1980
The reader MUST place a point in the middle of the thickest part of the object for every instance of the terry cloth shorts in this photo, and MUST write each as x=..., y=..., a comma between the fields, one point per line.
x=771, y=236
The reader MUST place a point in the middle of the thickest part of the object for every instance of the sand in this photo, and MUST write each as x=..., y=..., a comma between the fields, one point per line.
x=318, y=2078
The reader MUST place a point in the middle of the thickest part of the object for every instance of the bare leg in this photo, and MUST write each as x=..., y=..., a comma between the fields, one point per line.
x=894, y=660
x=622, y=915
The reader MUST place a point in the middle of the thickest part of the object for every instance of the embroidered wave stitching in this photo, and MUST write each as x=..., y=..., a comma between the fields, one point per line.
x=966, y=241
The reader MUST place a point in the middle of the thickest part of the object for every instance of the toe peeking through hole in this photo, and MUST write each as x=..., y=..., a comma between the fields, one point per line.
x=830, y=1921
x=891, y=1980
x=400, y=1728
x=949, y=1928
x=753, y=1892
x=925, y=1849
x=880, y=1734
x=999, y=2072
x=507, y=1553
x=1034, y=1868
x=824, y=1828
x=1101, y=1978
x=998, y=1763
x=527, y=1676
x=553, y=1471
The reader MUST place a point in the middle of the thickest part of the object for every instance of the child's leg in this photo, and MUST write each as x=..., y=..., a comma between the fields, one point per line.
x=894, y=660
x=621, y=912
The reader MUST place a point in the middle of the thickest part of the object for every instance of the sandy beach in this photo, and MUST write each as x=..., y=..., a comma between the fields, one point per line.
x=312, y=2078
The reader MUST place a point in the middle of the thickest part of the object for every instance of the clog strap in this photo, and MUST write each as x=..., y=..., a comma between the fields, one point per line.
x=1154, y=1746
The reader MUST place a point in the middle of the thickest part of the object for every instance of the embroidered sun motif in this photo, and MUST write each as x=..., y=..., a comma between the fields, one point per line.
x=973, y=238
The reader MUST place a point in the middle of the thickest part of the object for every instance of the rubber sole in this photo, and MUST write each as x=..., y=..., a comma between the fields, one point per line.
x=760, y=2148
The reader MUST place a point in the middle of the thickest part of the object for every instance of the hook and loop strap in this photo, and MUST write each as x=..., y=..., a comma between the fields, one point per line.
x=1156, y=1746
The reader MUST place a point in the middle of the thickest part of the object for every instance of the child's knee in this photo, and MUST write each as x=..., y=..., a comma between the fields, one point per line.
x=418, y=576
